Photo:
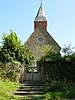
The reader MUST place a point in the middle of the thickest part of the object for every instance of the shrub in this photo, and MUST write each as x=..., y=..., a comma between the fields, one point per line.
x=57, y=90
x=55, y=86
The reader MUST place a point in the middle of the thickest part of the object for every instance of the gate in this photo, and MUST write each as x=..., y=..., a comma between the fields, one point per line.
x=33, y=74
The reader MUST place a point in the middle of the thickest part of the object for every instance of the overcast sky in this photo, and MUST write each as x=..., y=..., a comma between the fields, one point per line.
x=19, y=16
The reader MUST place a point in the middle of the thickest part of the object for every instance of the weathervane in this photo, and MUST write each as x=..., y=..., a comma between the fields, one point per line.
x=41, y=1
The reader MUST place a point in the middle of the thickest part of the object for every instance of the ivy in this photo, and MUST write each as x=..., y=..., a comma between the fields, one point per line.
x=57, y=68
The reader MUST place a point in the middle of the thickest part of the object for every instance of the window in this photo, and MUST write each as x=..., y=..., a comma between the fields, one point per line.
x=40, y=40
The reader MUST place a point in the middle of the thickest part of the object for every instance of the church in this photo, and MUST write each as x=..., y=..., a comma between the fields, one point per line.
x=39, y=43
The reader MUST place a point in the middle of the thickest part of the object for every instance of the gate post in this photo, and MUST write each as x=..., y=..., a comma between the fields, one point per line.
x=23, y=74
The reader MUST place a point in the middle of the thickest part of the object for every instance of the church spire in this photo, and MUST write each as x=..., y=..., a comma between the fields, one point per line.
x=40, y=18
x=40, y=15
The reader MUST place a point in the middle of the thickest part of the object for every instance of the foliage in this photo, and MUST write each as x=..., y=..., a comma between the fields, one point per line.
x=67, y=91
x=55, y=86
x=12, y=49
x=67, y=50
x=6, y=90
x=59, y=73
x=58, y=68
x=10, y=73
x=51, y=56
x=57, y=90
x=59, y=86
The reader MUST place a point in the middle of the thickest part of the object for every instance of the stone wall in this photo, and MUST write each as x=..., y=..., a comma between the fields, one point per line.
x=41, y=42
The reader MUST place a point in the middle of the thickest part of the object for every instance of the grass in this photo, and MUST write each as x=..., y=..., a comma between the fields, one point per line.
x=6, y=90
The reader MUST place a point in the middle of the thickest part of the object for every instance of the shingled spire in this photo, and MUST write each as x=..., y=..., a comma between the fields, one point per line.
x=40, y=18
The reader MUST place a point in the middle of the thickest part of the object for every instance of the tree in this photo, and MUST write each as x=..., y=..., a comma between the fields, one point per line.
x=12, y=49
x=67, y=50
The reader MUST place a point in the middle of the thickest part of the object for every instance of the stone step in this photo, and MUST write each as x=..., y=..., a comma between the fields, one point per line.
x=36, y=87
x=30, y=93
x=31, y=89
x=31, y=84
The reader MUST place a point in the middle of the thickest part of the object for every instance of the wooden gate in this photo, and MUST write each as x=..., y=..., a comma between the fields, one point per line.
x=33, y=74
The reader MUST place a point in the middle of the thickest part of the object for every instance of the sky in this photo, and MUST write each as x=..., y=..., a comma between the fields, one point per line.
x=19, y=16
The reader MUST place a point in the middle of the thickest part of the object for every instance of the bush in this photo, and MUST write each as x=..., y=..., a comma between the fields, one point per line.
x=59, y=89
x=57, y=68
x=10, y=73
x=55, y=86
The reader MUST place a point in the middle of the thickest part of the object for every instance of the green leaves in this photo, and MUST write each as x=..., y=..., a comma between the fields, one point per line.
x=11, y=41
x=51, y=56
x=57, y=67
x=67, y=50
x=12, y=49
